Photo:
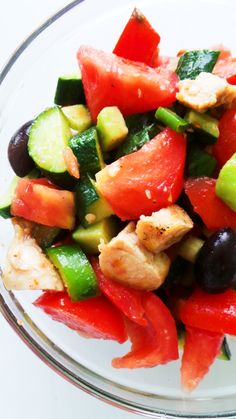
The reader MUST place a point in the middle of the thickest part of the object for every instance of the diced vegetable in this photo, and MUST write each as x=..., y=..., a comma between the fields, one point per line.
x=147, y=180
x=95, y=318
x=153, y=344
x=105, y=76
x=43, y=204
x=213, y=312
x=190, y=247
x=226, y=183
x=225, y=146
x=86, y=148
x=78, y=117
x=49, y=135
x=193, y=63
x=75, y=270
x=18, y=155
x=91, y=206
x=90, y=237
x=201, y=192
x=69, y=90
x=171, y=119
x=137, y=32
x=127, y=299
x=6, y=199
x=111, y=128
x=205, y=123
x=201, y=347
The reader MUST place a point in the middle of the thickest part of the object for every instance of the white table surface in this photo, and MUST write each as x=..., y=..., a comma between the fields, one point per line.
x=28, y=388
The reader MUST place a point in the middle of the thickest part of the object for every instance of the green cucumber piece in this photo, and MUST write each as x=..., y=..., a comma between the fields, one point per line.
x=226, y=183
x=69, y=90
x=189, y=248
x=89, y=238
x=5, y=201
x=135, y=140
x=91, y=206
x=75, y=270
x=171, y=119
x=192, y=63
x=225, y=353
x=87, y=150
x=205, y=123
x=78, y=117
x=111, y=128
x=199, y=162
x=49, y=135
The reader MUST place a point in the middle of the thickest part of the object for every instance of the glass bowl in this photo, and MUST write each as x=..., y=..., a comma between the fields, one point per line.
x=27, y=85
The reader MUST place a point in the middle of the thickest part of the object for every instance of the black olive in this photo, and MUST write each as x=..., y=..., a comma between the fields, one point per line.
x=18, y=155
x=215, y=266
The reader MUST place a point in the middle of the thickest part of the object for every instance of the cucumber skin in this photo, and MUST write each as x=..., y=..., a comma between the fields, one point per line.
x=69, y=92
x=86, y=148
x=136, y=140
x=75, y=270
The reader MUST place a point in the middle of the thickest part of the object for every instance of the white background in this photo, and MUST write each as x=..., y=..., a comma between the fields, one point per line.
x=28, y=388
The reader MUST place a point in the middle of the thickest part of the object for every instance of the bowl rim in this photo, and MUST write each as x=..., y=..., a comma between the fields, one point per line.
x=13, y=317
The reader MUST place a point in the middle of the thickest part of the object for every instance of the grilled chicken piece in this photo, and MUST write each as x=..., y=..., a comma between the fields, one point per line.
x=205, y=92
x=27, y=267
x=125, y=260
x=163, y=228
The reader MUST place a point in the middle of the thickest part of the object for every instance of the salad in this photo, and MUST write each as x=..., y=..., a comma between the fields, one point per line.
x=124, y=202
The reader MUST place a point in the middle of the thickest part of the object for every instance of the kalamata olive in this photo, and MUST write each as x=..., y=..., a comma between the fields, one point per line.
x=215, y=266
x=18, y=155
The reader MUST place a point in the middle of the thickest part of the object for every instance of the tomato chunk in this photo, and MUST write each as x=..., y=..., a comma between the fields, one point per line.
x=147, y=180
x=128, y=300
x=214, y=312
x=153, y=344
x=200, y=350
x=138, y=40
x=109, y=80
x=213, y=211
x=94, y=318
x=38, y=201
x=225, y=146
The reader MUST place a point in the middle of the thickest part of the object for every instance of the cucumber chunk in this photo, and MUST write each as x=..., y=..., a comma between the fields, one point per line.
x=5, y=201
x=89, y=238
x=69, y=90
x=226, y=183
x=75, y=270
x=204, y=122
x=87, y=150
x=91, y=206
x=111, y=128
x=49, y=135
x=78, y=117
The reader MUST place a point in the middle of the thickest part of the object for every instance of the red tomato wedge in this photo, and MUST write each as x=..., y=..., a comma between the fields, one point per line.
x=94, y=318
x=225, y=146
x=225, y=68
x=128, y=300
x=201, y=347
x=38, y=201
x=134, y=87
x=213, y=211
x=147, y=180
x=214, y=312
x=138, y=40
x=153, y=344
